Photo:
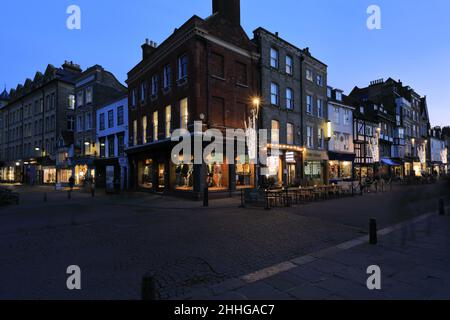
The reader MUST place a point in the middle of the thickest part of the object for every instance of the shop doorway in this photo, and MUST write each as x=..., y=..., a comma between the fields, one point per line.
x=291, y=175
x=161, y=177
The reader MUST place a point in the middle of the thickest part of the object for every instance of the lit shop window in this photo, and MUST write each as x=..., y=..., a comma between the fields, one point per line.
x=155, y=126
x=168, y=121
x=184, y=115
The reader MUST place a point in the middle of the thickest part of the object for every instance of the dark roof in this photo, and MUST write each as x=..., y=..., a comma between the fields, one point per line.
x=68, y=72
x=4, y=96
x=304, y=51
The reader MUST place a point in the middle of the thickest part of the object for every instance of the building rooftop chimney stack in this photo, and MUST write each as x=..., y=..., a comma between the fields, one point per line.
x=229, y=10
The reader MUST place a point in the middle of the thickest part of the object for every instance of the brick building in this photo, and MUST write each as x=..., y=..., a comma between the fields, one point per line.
x=36, y=114
x=205, y=71
x=94, y=88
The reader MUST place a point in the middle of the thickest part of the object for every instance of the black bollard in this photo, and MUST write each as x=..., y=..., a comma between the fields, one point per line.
x=93, y=192
x=242, y=199
x=69, y=194
x=267, y=202
x=149, y=291
x=206, y=197
x=45, y=197
x=441, y=207
x=373, y=232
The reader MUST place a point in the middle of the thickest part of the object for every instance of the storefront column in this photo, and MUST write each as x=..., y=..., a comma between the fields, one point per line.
x=325, y=172
x=232, y=177
x=155, y=176
x=167, y=186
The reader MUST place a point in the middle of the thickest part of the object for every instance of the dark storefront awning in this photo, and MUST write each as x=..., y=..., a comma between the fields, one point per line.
x=389, y=162
x=336, y=156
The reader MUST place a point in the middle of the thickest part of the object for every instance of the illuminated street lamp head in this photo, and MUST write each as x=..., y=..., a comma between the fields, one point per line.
x=86, y=143
x=413, y=141
x=37, y=149
x=379, y=130
x=256, y=101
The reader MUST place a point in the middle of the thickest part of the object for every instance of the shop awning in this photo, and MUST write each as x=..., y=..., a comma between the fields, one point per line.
x=336, y=156
x=389, y=162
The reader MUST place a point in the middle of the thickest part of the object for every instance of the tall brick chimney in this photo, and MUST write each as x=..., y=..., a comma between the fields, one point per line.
x=229, y=10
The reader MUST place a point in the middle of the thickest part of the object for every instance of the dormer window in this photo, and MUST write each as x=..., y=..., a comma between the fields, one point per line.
x=338, y=96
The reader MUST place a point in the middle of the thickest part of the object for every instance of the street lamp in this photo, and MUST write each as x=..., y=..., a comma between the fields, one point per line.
x=329, y=131
x=255, y=145
x=256, y=104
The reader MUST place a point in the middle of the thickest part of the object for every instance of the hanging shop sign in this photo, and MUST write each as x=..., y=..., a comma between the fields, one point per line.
x=290, y=157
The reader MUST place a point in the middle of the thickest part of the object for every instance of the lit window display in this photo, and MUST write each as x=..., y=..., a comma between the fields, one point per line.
x=274, y=170
x=217, y=173
x=340, y=170
x=49, y=175
x=145, y=173
x=364, y=172
x=64, y=175
x=244, y=173
x=313, y=170
x=82, y=173
x=184, y=176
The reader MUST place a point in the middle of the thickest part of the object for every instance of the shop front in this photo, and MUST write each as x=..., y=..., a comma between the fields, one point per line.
x=63, y=175
x=10, y=174
x=152, y=169
x=245, y=173
x=315, y=170
x=49, y=175
x=111, y=174
x=340, y=166
x=284, y=169
x=390, y=168
x=83, y=171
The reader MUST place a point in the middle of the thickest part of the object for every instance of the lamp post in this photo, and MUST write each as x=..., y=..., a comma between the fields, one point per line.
x=255, y=115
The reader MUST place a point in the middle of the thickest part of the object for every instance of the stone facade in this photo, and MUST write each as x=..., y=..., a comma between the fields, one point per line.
x=94, y=88
x=281, y=107
x=35, y=116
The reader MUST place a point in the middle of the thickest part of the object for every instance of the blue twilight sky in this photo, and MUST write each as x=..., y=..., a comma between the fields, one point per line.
x=413, y=44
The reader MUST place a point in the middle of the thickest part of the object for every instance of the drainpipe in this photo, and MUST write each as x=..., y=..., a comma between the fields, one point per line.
x=302, y=59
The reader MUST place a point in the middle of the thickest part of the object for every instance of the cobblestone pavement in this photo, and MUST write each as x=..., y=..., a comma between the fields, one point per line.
x=414, y=259
x=117, y=239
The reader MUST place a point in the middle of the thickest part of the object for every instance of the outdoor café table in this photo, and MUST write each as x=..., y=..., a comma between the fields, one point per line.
x=308, y=193
x=295, y=195
x=276, y=196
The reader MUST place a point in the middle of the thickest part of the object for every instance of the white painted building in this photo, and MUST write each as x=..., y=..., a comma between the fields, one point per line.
x=112, y=169
x=341, y=150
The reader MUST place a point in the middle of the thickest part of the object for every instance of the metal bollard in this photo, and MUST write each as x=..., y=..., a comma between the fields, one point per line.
x=149, y=291
x=93, y=192
x=267, y=202
x=242, y=200
x=373, y=232
x=206, y=197
x=441, y=207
